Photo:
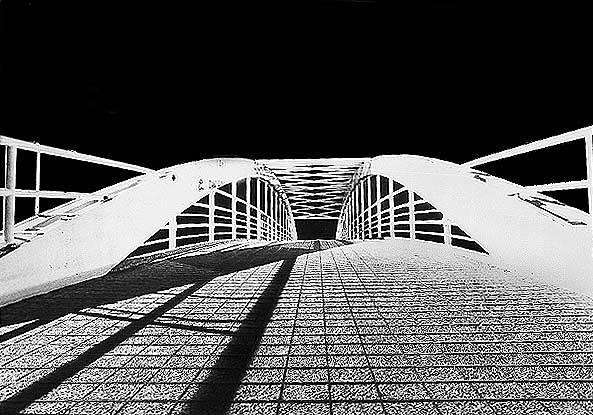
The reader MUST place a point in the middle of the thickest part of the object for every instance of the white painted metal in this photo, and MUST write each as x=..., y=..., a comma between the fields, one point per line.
x=551, y=187
x=589, y=160
x=378, y=198
x=90, y=241
x=70, y=154
x=391, y=218
x=259, y=212
x=211, y=209
x=547, y=243
x=368, y=208
x=234, y=210
x=46, y=194
x=412, y=213
x=173, y=232
x=526, y=148
x=37, y=179
x=9, y=201
x=248, y=209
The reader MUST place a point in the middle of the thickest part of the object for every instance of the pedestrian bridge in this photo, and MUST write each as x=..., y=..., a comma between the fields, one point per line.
x=384, y=197
x=186, y=290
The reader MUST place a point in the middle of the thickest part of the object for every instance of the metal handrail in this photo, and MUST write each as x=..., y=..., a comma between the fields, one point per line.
x=585, y=133
x=70, y=154
x=9, y=192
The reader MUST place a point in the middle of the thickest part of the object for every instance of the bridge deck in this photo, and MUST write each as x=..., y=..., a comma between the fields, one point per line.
x=308, y=327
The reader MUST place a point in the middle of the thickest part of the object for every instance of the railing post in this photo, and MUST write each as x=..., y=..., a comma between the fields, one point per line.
x=37, y=180
x=248, y=207
x=267, y=211
x=368, y=194
x=589, y=158
x=3, y=198
x=391, y=210
x=211, y=208
x=378, y=196
x=234, y=210
x=360, y=229
x=258, y=208
x=173, y=232
x=447, y=226
x=9, y=200
x=412, y=217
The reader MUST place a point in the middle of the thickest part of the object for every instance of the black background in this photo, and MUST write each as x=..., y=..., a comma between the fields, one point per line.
x=160, y=83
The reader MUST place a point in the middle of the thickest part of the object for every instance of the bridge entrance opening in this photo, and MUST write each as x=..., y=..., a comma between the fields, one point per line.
x=316, y=228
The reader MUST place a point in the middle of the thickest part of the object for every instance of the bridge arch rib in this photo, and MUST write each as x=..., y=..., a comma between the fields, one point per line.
x=379, y=207
x=251, y=207
x=131, y=216
x=433, y=200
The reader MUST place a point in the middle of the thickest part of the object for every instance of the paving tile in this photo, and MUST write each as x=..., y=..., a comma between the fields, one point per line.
x=469, y=408
x=305, y=408
x=411, y=408
x=265, y=392
x=363, y=328
x=307, y=375
x=354, y=392
x=252, y=408
x=48, y=408
x=356, y=408
x=153, y=408
x=305, y=392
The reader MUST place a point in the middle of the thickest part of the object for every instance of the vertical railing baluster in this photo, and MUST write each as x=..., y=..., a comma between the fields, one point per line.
x=370, y=235
x=37, y=179
x=412, y=217
x=589, y=160
x=378, y=197
x=5, y=171
x=234, y=210
x=258, y=202
x=391, y=210
x=9, y=200
x=447, y=226
x=248, y=207
x=173, y=233
x=211, y=207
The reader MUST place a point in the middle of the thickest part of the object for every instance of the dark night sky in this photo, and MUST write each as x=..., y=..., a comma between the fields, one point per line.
x=159, y=83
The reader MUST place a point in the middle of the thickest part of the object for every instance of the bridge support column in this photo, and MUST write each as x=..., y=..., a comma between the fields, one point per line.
x=9, y=200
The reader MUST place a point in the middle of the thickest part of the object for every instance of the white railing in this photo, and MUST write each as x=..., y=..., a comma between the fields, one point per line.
x=585, y=133
x=9, y=192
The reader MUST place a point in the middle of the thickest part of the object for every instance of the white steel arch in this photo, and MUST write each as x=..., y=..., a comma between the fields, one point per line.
x=518, y=227
x=85, y=239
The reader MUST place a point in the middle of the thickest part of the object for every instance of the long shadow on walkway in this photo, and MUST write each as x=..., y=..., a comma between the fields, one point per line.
x=217, y=392
x=145, y=279
x=149, y=279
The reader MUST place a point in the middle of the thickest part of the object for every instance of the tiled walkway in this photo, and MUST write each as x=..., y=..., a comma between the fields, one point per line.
x=391, y=327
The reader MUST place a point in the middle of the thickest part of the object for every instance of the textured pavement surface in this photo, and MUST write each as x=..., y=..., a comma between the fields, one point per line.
x=394, y=327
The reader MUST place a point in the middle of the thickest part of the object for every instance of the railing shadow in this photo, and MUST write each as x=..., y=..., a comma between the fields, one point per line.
x=196, y=271
x=145, y=279
x=218, y=390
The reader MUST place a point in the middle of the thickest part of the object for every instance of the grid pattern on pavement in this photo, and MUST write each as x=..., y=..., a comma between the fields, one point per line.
x=394, y=327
